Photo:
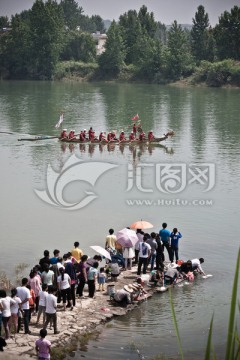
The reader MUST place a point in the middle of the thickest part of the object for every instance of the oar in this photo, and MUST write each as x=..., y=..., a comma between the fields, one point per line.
x=6, y=132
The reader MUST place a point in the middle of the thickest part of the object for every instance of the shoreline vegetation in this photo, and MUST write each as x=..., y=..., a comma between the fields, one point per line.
x=55, y=41
x=85, y=321
x=221, y=74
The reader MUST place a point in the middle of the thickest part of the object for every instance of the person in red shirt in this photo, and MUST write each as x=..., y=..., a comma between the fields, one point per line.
x=81, y=136
x=91, y=134
x=63, y=134
x=134, y=129
x=109, y=136
x=132, y=136
x=84, y=134
x=71, y=135
x=101, y=136
x=122, y=136
x=150, y=136
x=142, y=136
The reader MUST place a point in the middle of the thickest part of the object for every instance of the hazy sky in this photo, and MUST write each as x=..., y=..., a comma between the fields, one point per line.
x=165, y=11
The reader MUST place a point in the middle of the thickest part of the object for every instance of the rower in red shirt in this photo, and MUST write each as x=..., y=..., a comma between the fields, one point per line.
x=150, y=136
x=101, y=136
x=81, y=136
x=71, y=135
x=91, y=134
x=84, y=133
x=109, y=136
x=64, y=134
x=142, y=136
x=121, y=136
x=134, y=129
x=132, y=136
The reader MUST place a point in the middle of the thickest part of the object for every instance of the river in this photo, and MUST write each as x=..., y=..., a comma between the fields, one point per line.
x=192, y=183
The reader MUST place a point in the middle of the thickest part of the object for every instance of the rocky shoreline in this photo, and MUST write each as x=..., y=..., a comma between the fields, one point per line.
x=74, y=324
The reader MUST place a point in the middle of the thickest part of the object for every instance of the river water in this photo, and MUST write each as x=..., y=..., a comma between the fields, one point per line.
x=192, y=182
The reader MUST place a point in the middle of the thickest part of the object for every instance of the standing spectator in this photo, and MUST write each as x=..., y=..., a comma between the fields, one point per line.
x=24, y=294
x=128, y=255
x=15, y=309
x=43, y=346
x=42, y=303
x=64, y=287
x=165, y=238
x=144, y=254
x=92, y=277
x=5, y=304
x=160, y=254
x=31, y=301
x=76, y=252
x=111, y=240
x=35, y=284
x=47, y=276
x=51, y=309
x=56, y=255
x=140, y=234
x=70, y=270
x=82, y=275
x=152, y=242
x=175, y=236
x=45, y=259
x=101, y=279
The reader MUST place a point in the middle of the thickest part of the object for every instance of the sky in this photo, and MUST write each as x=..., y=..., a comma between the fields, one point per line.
x=165, y=11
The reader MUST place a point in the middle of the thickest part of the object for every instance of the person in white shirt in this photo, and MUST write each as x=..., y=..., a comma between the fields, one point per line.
x=42, y=303
x=15, y=309
x=24, y=294
x=64, y=286
x=196, y=265
x=5, y=303
x=144, y=254
x=51, y=309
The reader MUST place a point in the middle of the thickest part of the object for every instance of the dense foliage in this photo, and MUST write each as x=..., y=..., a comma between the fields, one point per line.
x=33, y=43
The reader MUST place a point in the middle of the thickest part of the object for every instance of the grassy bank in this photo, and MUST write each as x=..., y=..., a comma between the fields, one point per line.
x=218, y=74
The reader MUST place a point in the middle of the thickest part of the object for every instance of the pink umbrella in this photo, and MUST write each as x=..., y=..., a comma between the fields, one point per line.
x=127, y=237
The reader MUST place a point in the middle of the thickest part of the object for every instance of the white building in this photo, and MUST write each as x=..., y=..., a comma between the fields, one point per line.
x=100, y=42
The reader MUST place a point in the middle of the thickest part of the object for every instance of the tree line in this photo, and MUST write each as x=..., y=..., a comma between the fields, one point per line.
x=51, y=32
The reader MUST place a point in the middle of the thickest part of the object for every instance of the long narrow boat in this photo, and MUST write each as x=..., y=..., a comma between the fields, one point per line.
x=117, y=142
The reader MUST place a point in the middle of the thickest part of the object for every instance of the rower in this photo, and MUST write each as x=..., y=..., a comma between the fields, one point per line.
x=142, y=136
x=64, y=134
x=122, y=137
x=135, y=129
x=101, y=136
x=71, y=135
x=150, y=136
x=91, y=134
x=81, y=136
x=132, y=136
x=84, y=133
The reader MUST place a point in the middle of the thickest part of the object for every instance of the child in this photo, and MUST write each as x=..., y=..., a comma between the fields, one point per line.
x=101, y=279
x=42, y=303
x=43, y=346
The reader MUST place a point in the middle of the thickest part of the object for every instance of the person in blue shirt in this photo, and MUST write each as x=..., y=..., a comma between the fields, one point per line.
x=175, y=236
x=164, y=234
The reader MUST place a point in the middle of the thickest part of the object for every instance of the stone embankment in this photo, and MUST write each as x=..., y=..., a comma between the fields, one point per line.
x=83, y=319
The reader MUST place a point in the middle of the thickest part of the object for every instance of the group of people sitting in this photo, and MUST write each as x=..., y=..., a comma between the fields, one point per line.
x=89, y=135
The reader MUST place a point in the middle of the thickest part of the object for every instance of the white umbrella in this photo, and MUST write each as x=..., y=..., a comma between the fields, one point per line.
x=100, y=250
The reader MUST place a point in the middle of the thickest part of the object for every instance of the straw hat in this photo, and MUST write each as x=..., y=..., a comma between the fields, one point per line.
x=128, y=289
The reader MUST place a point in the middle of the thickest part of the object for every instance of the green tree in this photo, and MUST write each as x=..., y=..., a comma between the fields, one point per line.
x=178, y=57
x=112, y=60
x=46, y=37
x=200, y=37
x=79, y=47
x=148, y=24
x=161, y=32
x=72, y=13
x=4, y=22
x=227, y=35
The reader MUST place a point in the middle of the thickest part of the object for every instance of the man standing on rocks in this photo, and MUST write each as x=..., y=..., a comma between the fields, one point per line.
x=24, y=294
x=51, y=309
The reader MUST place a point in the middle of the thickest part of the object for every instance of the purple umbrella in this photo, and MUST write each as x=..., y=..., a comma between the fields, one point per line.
x=127, y=238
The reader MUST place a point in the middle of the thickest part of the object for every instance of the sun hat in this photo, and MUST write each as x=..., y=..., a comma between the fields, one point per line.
x=128, y=289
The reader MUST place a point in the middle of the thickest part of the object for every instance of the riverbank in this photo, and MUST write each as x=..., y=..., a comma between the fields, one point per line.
x=75, y=326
